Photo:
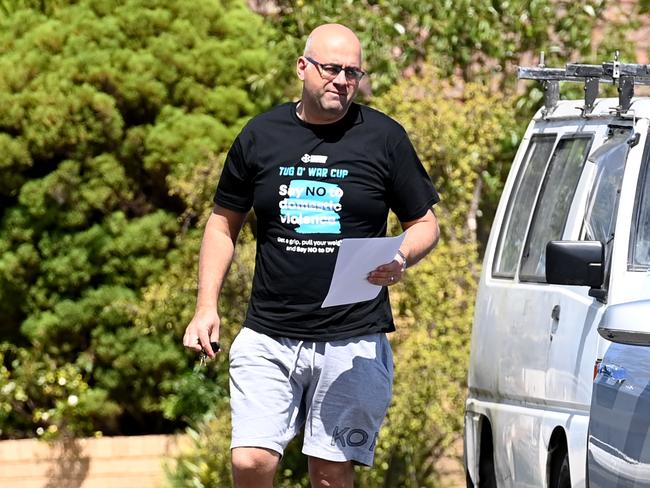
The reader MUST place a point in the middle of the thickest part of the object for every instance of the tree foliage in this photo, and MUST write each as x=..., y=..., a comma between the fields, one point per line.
x=113, y=117
x=8, y=7
x=478, y=38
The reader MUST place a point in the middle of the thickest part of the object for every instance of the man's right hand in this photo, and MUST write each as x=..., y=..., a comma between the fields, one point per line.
x=203, y=329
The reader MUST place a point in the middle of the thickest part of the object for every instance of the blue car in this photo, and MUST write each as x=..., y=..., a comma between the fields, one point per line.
x=619, y=427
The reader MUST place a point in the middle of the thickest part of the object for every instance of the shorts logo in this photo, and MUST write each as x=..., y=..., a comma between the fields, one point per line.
x=314, y=158
x=353, y=437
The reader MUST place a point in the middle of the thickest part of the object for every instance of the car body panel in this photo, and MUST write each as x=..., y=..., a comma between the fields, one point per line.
x=619, y=429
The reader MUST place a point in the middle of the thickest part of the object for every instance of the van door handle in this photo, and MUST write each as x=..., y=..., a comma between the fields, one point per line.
x=555, y=313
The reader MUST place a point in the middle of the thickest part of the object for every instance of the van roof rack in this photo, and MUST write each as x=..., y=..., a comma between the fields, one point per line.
x=624, y=76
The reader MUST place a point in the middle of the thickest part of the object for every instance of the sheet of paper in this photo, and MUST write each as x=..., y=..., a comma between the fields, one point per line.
x=357, y=258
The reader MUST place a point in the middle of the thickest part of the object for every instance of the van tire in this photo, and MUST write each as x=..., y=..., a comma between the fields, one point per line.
x=560, y=472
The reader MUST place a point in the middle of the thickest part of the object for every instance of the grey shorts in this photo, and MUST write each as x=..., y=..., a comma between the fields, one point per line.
x=338, y=390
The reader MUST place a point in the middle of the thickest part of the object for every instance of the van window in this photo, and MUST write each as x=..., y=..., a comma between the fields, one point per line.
x=554, y=203
x=520, y=206
x=602, y=204
x=641, y=240
x=610, y=161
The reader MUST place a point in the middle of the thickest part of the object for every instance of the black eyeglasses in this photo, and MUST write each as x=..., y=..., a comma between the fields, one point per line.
x=330, y=71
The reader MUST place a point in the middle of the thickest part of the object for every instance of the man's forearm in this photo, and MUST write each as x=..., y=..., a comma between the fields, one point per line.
x=421, y=237
x=217, y=251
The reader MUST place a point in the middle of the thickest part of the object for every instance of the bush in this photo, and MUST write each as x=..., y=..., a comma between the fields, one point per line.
x=113, y=119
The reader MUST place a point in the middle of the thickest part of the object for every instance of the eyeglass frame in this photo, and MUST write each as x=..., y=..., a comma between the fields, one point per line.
x=355, y=73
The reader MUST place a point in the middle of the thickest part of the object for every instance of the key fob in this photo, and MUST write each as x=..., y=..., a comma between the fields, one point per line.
x=215, y=347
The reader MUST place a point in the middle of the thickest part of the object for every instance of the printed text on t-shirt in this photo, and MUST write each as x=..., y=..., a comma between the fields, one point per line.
x=313, y=172
x=309, y=246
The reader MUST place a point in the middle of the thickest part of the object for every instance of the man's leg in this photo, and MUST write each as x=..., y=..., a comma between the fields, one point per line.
x=254, y=467
x=267, y=380
x=330, y=474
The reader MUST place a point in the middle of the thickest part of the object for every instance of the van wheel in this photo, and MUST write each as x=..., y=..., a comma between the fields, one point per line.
x=560, y=474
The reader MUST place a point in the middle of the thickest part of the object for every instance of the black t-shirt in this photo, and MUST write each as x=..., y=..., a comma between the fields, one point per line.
x=311, y=186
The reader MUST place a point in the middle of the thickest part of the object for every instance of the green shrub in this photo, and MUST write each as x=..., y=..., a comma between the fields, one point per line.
x=113, y=120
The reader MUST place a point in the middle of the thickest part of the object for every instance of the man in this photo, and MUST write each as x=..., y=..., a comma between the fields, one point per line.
x=315, y=172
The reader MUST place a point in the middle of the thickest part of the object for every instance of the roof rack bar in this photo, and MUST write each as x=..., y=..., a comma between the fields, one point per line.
x=541, y=74
x=624, y=75
x=578, y=72
x=585, y=70
x=571, y=73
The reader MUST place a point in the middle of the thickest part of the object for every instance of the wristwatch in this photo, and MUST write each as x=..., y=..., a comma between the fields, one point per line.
x=404, y=262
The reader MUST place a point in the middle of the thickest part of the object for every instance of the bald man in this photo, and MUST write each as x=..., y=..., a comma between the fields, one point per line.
x=315, y=172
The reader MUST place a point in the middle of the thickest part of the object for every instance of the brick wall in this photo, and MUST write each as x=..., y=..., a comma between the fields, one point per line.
x=109, y=462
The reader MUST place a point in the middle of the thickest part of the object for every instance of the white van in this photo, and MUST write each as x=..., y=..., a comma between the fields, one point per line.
x=564, y=246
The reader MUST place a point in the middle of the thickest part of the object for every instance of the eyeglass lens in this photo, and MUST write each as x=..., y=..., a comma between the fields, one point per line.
x=331, y=71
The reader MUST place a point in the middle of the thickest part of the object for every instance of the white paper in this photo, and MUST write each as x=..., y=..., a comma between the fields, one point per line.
x=357, y=258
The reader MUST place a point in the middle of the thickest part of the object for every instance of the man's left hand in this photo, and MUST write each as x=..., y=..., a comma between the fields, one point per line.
x=387, y=274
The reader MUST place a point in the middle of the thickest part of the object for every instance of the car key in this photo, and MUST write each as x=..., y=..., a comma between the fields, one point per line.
x=204, y=355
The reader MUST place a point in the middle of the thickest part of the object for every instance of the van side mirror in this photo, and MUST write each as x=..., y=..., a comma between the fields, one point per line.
x=575, y=263
x=627, y=323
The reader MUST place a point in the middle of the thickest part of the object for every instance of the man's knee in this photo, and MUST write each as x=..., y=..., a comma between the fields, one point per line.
x=331, y=473
x=254, y=460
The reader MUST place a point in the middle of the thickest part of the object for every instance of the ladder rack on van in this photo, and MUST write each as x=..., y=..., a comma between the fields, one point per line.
x=624, y=76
